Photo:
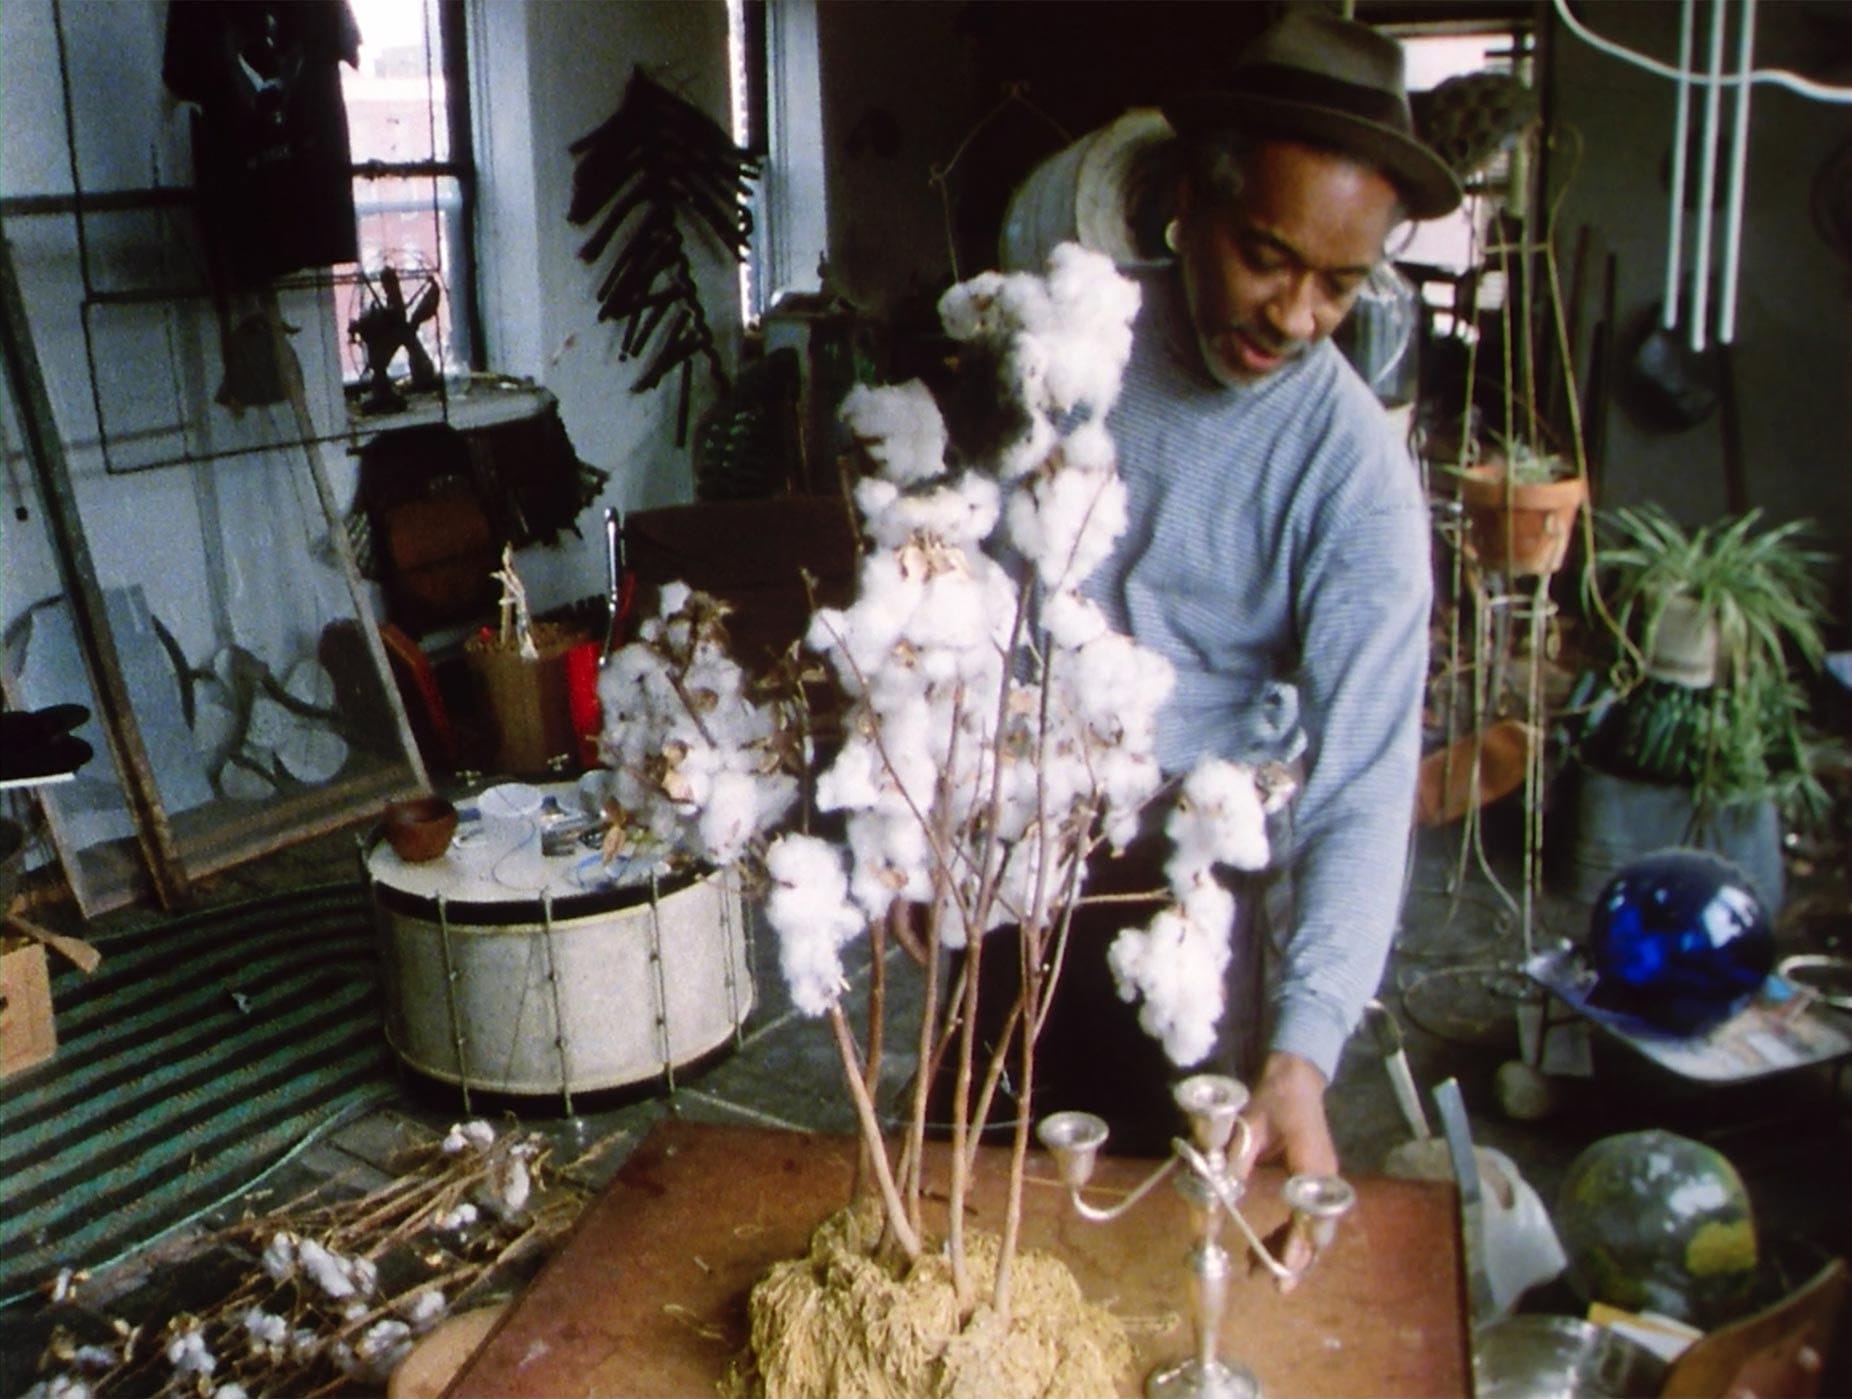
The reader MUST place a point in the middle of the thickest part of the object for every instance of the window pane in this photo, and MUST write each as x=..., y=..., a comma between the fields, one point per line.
x=1455, y=242
x=413, y=225
x=396, y=99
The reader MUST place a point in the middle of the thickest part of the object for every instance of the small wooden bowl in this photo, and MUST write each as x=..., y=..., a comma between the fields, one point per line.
x=420, y=828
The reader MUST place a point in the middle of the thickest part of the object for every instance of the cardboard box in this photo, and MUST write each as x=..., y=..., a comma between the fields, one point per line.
x=27, y=1033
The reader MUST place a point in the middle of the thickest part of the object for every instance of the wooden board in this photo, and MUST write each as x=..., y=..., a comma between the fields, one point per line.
x=647, y=1298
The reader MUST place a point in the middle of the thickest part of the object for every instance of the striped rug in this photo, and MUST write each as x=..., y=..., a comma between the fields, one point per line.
x=198, y=1054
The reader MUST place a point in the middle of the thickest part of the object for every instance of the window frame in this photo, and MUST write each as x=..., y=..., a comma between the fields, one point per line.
x=456, y=226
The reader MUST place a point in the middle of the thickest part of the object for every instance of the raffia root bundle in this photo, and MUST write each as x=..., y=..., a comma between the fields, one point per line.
x=842, y=1322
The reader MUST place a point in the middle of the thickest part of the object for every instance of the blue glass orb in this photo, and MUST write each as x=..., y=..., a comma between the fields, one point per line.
x=1679, y=939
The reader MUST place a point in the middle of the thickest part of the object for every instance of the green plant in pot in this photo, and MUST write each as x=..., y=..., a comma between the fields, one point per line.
x=1711, y=624
x=1521, y=503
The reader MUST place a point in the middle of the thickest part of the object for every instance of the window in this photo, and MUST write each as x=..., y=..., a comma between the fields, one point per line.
x=1456, y=243
x=778, y=111
x=408, y=129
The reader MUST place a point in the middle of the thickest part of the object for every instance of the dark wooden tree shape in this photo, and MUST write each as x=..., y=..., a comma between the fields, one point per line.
x=656, y=166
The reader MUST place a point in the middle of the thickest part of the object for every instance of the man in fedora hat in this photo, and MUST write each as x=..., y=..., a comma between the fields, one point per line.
x=1277, y=555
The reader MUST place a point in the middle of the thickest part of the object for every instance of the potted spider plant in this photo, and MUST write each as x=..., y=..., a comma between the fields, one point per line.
x=1702, y=736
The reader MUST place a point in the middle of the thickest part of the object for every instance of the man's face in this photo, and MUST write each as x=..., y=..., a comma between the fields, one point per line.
x=1273, y=271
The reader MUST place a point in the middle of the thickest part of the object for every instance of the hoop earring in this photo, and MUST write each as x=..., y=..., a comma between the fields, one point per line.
x=1172, y=236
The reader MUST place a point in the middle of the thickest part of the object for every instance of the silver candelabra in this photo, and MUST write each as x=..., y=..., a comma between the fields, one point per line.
x=1213, y=1103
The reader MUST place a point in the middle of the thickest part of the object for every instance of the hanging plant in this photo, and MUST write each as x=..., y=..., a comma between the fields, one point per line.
x=656, y=166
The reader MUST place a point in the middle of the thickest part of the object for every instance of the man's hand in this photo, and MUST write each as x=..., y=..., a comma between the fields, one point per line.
x=1286, y=1122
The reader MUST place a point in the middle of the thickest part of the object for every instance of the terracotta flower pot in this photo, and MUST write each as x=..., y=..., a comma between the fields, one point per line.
x=1521, y=528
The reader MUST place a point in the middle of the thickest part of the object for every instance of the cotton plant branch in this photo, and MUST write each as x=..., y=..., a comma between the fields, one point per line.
x=996, y=731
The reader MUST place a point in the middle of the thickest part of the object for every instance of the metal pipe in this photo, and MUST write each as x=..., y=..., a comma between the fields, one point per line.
x=1739, y=179
x=1681, y=137
x=1707, y=180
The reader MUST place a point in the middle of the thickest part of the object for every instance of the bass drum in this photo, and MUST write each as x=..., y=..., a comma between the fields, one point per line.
x=544, y=995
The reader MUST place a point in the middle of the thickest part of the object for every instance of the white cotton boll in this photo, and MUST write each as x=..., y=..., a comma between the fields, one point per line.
x=1066, y=524
x=673, y=598
x=464, y=1136
x=900, y=429
x=304, y=1344
x=937, y=514
x=510, y=1184
x=279, y=1257
x=979, y=669
x=381, y=1349
x=773, y=794
x=1210, y=909
x=424, y=1309
x=188, y=1354
x=1219, y=816
x=1116, y=685
x=1177, y=968
x=1027, y=452
x=912, y=771
x=1095, y=307
x=808, y=907
x=60, y=1387
x=729, y=820
x=97, y=1358
x=900, y=683
x=859, y=641
x=230, y=1391
x=1026, y=304
x=937, y=660
x=1085, y=367
x=461, y=1217
x=973, y=307
x=1120, y=827
x=1128, y=778
x=896, y=847
x=874, y=497
x=952, y=613
x=853, y=781
x=890, y=835
x=1072, y=620
x=1090, y=447
x=945, y=514
x=265, y=1328
x=1025, y=371
x=326, y=1269
x=364, y=1272
x=983, y=503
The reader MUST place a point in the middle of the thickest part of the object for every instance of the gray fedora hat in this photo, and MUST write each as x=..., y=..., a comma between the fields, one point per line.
x=1333, y=82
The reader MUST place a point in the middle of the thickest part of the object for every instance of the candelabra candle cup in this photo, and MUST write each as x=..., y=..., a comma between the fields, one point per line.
x=1213, y=1103
x=1074, y=1139
x=1318, y=1203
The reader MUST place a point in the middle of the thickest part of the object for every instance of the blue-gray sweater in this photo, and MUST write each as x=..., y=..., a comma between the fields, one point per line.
x=1279, y=534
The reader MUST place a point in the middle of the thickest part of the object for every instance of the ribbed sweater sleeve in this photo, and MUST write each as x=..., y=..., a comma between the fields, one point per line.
x=1279, y=535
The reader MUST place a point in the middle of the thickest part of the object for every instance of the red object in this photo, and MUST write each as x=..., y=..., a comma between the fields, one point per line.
x=424, y=702
x=582, y=700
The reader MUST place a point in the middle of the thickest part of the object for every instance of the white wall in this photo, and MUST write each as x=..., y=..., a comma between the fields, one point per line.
x=555, y=70
x=222, y=552
x=548, y=72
